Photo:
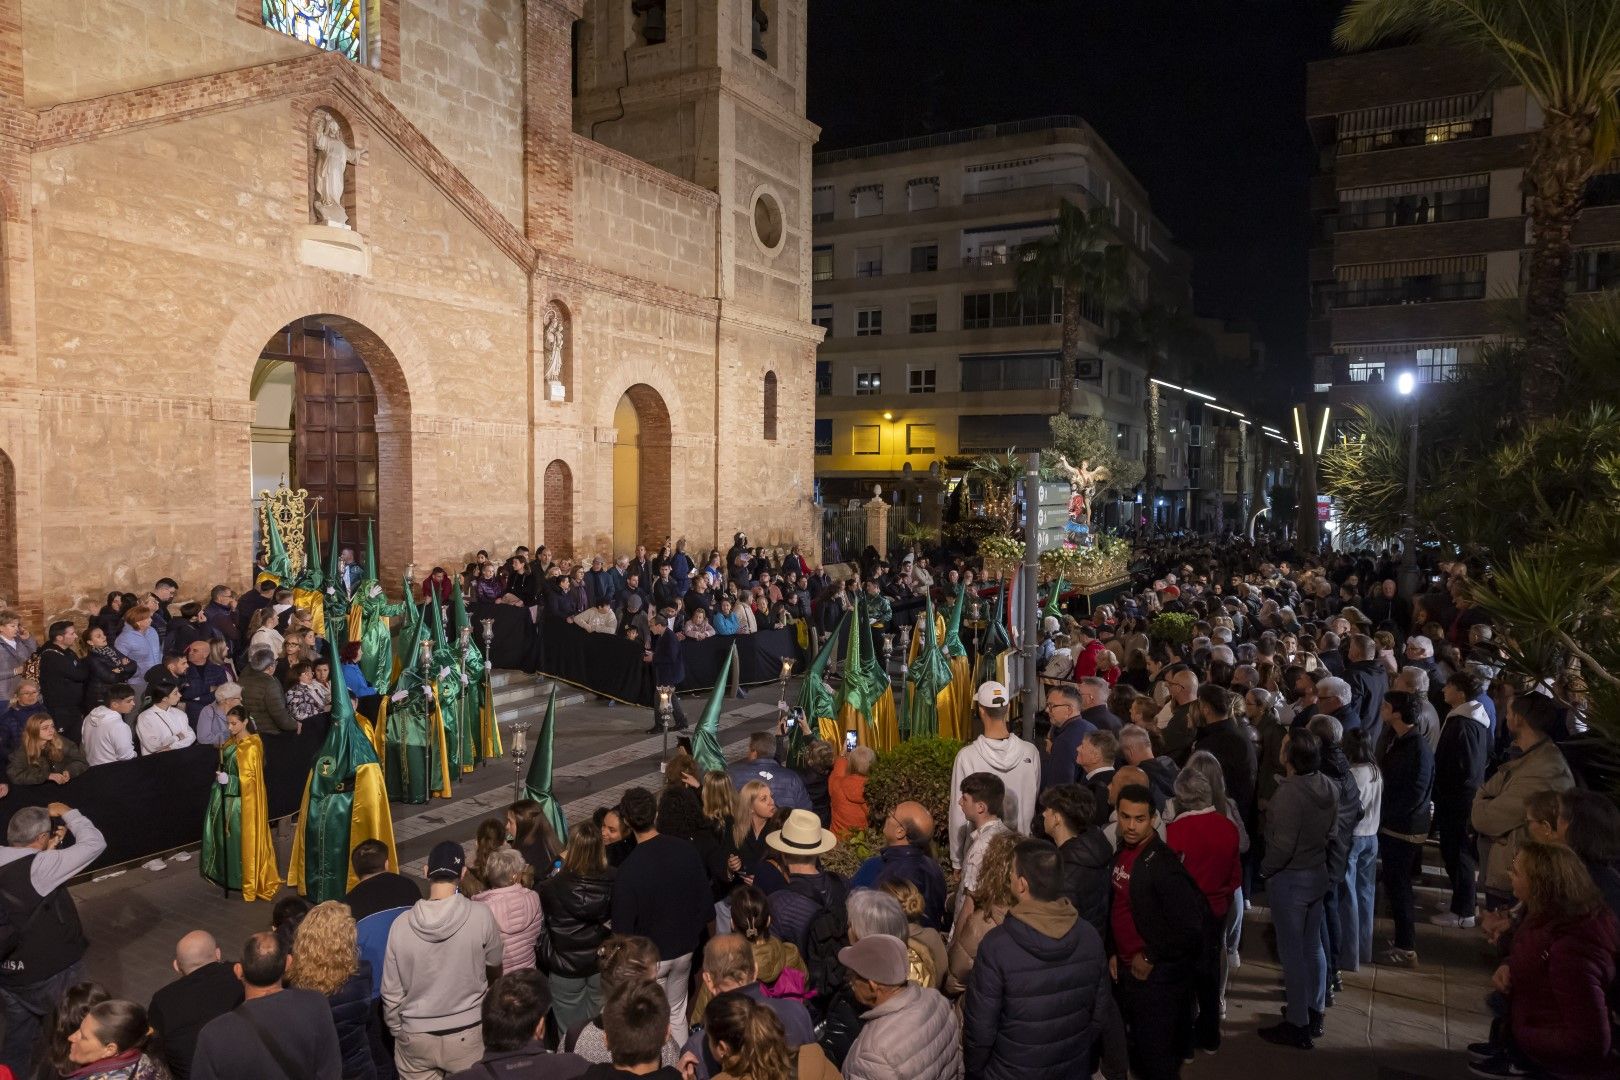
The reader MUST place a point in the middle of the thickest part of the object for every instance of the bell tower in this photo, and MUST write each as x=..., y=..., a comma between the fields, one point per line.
x=713, y=91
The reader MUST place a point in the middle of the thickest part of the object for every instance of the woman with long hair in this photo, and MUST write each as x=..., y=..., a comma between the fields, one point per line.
x=326, y=959
x=778, y=964
x=755, y=808
x=986, y=906
x=531, y=834
x=62, y=1022
x=1361, y=875
x=925, y=947
x=261, y=630
x=577, y=903
x=719, y=800
x=1560, y=969
x=107, y=666
x=490, y=838
x=110, y=1044
x=238, y=851
x=44, y=755
x=747, y=1040
x=617, y=839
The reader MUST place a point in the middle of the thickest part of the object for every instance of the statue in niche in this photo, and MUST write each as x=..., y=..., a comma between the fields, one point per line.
x=555, y=335
x=761, y=23
x=332, y=158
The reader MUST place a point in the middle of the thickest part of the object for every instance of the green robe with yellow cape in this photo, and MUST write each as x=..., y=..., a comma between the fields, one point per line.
x=307, y=592
x=237, y=849
x=956, y=713
x=448, y=686
x=375, y=635
x=415, y=751
x=817, y=701
x=865, y=704
x=345, y=802
x=930, y=695
x=476, y=728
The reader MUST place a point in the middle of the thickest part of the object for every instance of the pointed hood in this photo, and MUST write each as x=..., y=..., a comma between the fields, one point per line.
x=860, y=689
x=815, y=695
x=537, y=785
x=371, y=554
x=276, y=568
x=930, y=672
x=334, y=559
x=458, y=608
x=706, y=740
x=953, y=626
x=1054, y=600
x=309, y=575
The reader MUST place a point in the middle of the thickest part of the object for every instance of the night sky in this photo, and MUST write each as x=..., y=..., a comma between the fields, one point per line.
x=1203, y=100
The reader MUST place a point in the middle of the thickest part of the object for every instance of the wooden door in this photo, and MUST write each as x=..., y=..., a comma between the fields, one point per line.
x=335, y=434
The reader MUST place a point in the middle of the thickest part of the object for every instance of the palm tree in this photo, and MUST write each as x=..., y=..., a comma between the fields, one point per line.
x=1567, y=54
x=1149, y=335
x=1082, y=260
x=999, y=475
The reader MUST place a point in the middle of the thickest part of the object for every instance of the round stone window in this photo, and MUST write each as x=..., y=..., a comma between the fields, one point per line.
x=768, y=221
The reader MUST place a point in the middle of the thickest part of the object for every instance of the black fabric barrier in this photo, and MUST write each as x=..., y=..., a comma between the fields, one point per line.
x=516, y=645
x=614, y=667
x=157, y=803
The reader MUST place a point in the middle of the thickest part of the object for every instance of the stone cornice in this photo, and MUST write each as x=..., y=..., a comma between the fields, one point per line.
x=733, y=315
x=584, y=147
x=572, y=271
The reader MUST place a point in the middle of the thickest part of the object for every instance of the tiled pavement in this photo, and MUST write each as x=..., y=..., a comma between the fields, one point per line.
x=1388, y=1024
x=134, y=918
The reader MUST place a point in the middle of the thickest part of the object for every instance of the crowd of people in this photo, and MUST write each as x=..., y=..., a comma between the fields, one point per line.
x=1077, y=906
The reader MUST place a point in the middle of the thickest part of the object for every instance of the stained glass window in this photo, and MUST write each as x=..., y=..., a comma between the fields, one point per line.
x=335, y=25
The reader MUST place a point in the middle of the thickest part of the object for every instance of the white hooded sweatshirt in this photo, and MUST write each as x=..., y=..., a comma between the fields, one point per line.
x=1017, y=763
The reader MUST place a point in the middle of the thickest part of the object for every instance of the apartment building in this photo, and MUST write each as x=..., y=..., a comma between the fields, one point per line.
x=930, y=350
x=1419, y=222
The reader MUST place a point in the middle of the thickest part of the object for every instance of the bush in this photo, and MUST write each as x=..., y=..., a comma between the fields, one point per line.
x=1174, y=627
x=918, y=770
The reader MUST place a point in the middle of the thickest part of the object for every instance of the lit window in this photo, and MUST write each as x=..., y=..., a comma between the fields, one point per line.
x=865, y=439
x=334, y=25
x=869, y=322
x=919, y=438
x=868, y=383
x=921, y=381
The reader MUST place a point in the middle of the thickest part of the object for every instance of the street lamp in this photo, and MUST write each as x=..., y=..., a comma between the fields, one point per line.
x=1407, y=577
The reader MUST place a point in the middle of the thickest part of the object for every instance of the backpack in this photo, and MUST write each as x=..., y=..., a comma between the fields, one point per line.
x=16, y=912
x=826, y=930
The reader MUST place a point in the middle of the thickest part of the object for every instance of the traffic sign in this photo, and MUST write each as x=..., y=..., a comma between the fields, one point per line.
x=1052, y=517
x=1052, y=494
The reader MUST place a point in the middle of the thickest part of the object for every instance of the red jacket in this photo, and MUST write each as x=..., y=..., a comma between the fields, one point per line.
x=1560, y=974
x=1085, y=661
x=1208, y=845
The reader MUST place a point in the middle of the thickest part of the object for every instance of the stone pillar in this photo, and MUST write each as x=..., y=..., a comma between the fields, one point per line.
x=877, y=523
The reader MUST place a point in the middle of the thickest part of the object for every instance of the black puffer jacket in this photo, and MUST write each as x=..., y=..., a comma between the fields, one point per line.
x=577, y=910
x=1087, y=863
x=359, y=1028
x=1034, y=999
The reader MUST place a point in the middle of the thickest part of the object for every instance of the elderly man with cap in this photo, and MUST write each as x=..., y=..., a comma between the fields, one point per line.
x=808, y=890
x=442, y=955
x=1017, y=763
x=908, y=830
x=909, y=1031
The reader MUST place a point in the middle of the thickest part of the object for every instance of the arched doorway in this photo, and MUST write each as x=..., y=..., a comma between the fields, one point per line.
x=641, y=465
x=557, y=495
x=315, y=423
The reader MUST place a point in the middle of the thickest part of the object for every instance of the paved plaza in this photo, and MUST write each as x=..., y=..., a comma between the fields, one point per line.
x=1387, y=1022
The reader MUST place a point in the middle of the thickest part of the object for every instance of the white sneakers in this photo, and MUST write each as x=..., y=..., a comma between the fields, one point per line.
x=1447, y=918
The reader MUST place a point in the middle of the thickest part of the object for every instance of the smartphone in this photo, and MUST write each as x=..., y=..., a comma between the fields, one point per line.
x=792, y=722
x=849, y=741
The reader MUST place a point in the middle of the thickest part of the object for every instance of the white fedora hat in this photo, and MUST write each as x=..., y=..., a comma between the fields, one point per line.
x=802, y=834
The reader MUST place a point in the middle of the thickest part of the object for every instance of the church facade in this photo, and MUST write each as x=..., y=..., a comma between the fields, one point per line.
x=488, y=272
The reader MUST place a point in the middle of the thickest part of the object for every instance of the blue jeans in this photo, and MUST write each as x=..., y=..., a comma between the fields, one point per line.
x=1356, y=917
x=1296, y=912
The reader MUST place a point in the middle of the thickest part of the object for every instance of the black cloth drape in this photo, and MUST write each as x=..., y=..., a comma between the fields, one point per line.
x=612, y=666
x=157, y=803
x=516, y=644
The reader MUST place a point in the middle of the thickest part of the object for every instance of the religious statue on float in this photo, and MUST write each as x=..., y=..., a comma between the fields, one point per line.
x=237, y=850
x=1084, y=483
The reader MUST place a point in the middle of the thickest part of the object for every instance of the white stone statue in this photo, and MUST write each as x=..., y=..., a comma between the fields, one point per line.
x=332, y=157
x=555, y=332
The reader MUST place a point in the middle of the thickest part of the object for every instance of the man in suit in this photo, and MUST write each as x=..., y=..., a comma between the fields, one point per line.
x=669, y=669
x=1098, y=751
